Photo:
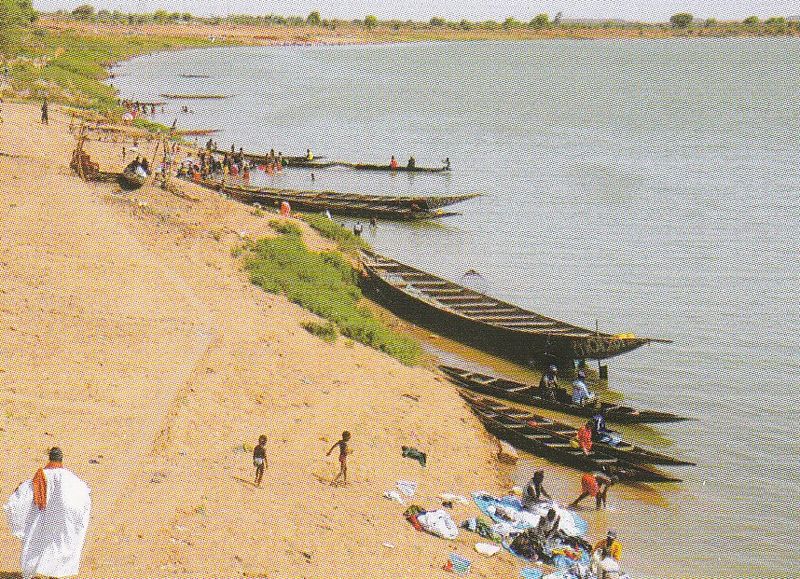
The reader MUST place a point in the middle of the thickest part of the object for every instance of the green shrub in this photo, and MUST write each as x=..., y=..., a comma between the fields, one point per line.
x=325, y=284
x=327, y=331
x=285, y=227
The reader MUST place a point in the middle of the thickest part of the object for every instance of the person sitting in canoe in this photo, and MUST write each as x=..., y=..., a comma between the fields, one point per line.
x=583, y=439
x=447, y=164
x=580, y=391
x=601, y=433
x=309, y=155
x=548, y=385
x=393, y=164
x=412, y=162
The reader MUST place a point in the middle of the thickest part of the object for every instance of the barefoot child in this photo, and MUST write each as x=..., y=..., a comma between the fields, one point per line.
x=260, y=458
x=343, y=452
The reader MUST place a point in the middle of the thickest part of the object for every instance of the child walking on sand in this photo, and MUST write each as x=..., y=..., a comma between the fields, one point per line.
x=260, y=458
x=343, y=452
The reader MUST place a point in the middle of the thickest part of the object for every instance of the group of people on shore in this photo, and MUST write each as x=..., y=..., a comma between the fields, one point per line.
x=605, y=554
x=136, y=108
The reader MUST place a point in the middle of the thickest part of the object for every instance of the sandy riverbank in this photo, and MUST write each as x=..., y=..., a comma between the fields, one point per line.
x=130, y=336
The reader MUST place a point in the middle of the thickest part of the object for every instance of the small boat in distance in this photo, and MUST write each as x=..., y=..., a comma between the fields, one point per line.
x=529, y=394
x=484, y=321
x=194, y=75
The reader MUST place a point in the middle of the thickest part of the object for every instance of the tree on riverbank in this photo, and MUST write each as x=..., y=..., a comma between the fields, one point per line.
x=681, y=20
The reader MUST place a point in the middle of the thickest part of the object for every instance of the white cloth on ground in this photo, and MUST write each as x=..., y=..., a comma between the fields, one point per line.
x=439, y=523
x=53, y=538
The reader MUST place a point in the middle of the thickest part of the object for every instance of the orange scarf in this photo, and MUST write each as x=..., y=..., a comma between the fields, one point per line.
x=40, y=485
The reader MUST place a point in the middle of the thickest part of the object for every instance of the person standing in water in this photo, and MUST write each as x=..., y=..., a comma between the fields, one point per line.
x=343, y=452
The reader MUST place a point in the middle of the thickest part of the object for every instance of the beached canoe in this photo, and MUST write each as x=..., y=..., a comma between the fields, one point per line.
x=357, y=204
x=537, y=437
x=486, y=322
x=529, y=394
x=316, y=202
x=623, y=450
x=132, y=179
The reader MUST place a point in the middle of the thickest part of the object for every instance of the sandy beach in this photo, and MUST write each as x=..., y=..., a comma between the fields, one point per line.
x=132, y=339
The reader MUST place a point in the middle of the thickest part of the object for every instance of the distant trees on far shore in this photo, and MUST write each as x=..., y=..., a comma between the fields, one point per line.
x=683, y=23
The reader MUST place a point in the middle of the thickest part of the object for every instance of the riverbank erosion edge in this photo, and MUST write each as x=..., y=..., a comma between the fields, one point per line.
x=132, y=338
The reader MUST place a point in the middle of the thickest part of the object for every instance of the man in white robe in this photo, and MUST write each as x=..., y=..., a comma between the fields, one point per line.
x=50, y=514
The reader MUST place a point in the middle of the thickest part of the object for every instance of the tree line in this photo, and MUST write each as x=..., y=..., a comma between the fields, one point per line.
x=681, y=21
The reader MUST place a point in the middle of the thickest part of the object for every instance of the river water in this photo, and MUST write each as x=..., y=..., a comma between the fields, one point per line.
x=649, y=186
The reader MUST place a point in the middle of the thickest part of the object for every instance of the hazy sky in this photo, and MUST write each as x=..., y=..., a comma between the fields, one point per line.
x=648, y=10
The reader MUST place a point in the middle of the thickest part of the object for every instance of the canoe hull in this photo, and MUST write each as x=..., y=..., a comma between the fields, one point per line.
x=525, y=439
x=530, y=397
x=516, y=345
x=395, y=213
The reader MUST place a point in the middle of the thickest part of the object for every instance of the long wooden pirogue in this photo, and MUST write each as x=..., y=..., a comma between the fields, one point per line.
x=484, y=321
x=318, y=163
x=539, y=436
x=261, y=158
x=363, y=166
x=529, y=394
x=623, y=451
x=356, y=204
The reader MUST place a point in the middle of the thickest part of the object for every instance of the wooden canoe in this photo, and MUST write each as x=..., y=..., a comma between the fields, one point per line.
x=529, y=394
x=623, y=451
x=362, y=166
x=357, y=204
x=340, y=206
x=486, y=322
x=537, y=438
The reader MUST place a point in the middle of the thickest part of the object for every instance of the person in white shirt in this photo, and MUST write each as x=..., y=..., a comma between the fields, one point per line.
x=580, y=391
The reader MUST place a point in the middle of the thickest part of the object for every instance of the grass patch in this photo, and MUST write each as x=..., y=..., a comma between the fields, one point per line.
x=327, y=331
x=285, y=227
x=345, y=239
x=325, y=284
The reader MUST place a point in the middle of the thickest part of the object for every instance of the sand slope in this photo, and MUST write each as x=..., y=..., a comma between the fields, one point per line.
x=128, y=332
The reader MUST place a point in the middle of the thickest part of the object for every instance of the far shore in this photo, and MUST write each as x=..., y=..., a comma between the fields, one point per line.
x=350, y=34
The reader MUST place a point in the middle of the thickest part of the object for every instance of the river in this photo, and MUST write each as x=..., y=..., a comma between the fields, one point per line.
x=650, y=186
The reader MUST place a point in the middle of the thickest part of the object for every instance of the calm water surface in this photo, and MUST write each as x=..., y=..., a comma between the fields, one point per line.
x=653, y=186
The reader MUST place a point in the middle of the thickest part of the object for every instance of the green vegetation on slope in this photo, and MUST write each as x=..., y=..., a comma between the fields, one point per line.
x=347, y=241
x=70, y=67
x=325, y=284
